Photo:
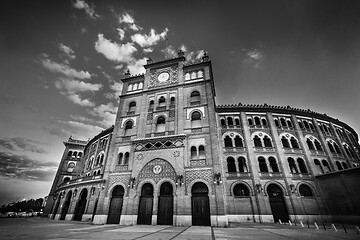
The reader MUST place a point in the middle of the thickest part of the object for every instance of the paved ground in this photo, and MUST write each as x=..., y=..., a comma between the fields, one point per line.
x=38, y=228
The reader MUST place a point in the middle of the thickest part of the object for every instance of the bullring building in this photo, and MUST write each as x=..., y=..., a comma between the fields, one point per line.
x=173, y=157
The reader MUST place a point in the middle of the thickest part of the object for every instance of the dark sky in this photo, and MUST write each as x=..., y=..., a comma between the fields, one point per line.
x=61, y=63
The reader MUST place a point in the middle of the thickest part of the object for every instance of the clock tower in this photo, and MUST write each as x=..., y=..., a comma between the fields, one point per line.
x=164, y=127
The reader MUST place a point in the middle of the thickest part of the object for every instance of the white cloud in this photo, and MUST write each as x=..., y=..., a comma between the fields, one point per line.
x=80, y=130
x=118, y=67
x=129, y=20
x=148, y=50
x=64, y=69
x=117, y=87
x=194, y=56
x=73, y=86
x=113, y=51
x=107, y=113
x=169, y=52
x=75, y=98
x=137, y=66
x=69, y=53
x=81, y=4
x=121, y=33
x=149, y=40
x=254, y=58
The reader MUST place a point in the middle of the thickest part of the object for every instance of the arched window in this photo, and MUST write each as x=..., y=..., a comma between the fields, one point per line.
x=331, y=147
x=305, y=191
x=151, y=104
x=238, y=141
x=257, y=141
x=262, y=165
x=250, y=121
x=264, y=122
x=126, y=159
x=120, y=158
x=130, y=87
x=240, y=190
x=140, y=85
x=74, y=154
x=69, y=153
x=70, y=167
x=276, y=123
x=321, y=127
x=193, y=75
x=311, y=126
x=237, y=122
x=187, y=76
x=267, y=141
x=230, y=121
x=292, y=165
x=294, y=142
x=200, y=74
x=345, y=166
x=257, y=121
x=242, y=164
x=318, y=145
x=289, y=123
x=160, y=124
x=79, y=155
x=326, y=166
x=339, y=166
x=135, y=86
x=285, y=142
x=128, y=127
x=196, y=119
x=132, y=107
x=66, y=180
x=102, y=159
x=193, y=152
x=306, y=124
x=222, y=122
x=228, y=142
x=300, y=125
x=302, y=165
x=318, y=164
x=172, y=101
x=231, y=165
x=283, y=122
x=97, y=160
x=273, y=164
x=310, y=144
x=201, y=152
x=337, y=149
x=195, y=97
x=162, y=101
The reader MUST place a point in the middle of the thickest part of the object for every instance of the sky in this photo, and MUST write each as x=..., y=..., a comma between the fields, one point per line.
x=61, y=62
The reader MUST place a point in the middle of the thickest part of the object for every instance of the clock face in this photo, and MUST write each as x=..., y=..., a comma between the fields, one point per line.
x=163, y=77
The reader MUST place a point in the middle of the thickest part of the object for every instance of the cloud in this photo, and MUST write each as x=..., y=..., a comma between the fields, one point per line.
x=78, y=130
x=73, y=86
x=117, y=87
x=22, y=167
x=107, y=113
x=148, y=50
x=254, y=57
x=113, y=51
x=64, y=69
x=81, y=4
x=21, y=144
x=137, y=66
x=75, y=98
x=129, y=20
x=121, y=33
x=69, y=53
x=191, y=57
x=149, y=40
x=169, y=52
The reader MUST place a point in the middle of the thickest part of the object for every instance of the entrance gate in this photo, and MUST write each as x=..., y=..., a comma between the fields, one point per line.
x=66, y=205
x=166, y=205
x=146, y=204
x=80, y=206
x=277, y=203
x=200, y=207
x=116, y=205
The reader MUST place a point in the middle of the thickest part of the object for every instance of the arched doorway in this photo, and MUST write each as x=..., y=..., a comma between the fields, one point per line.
x=200, y=207
x=80, y=206
x=146, y=204
x=66, y=205
x=116, y=205
x=166, y=205
x=277, y=203
x=56, y=207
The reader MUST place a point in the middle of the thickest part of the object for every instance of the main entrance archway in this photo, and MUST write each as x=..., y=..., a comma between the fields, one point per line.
x=166, y=205
x=146, y=204
x=66, y=205
x=277, y=203
x=200, y=207
x=116, y=205
x=80, y=206
x=56, y=207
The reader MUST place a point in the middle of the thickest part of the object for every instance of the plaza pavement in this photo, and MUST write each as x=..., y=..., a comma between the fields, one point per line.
x=40, y=228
